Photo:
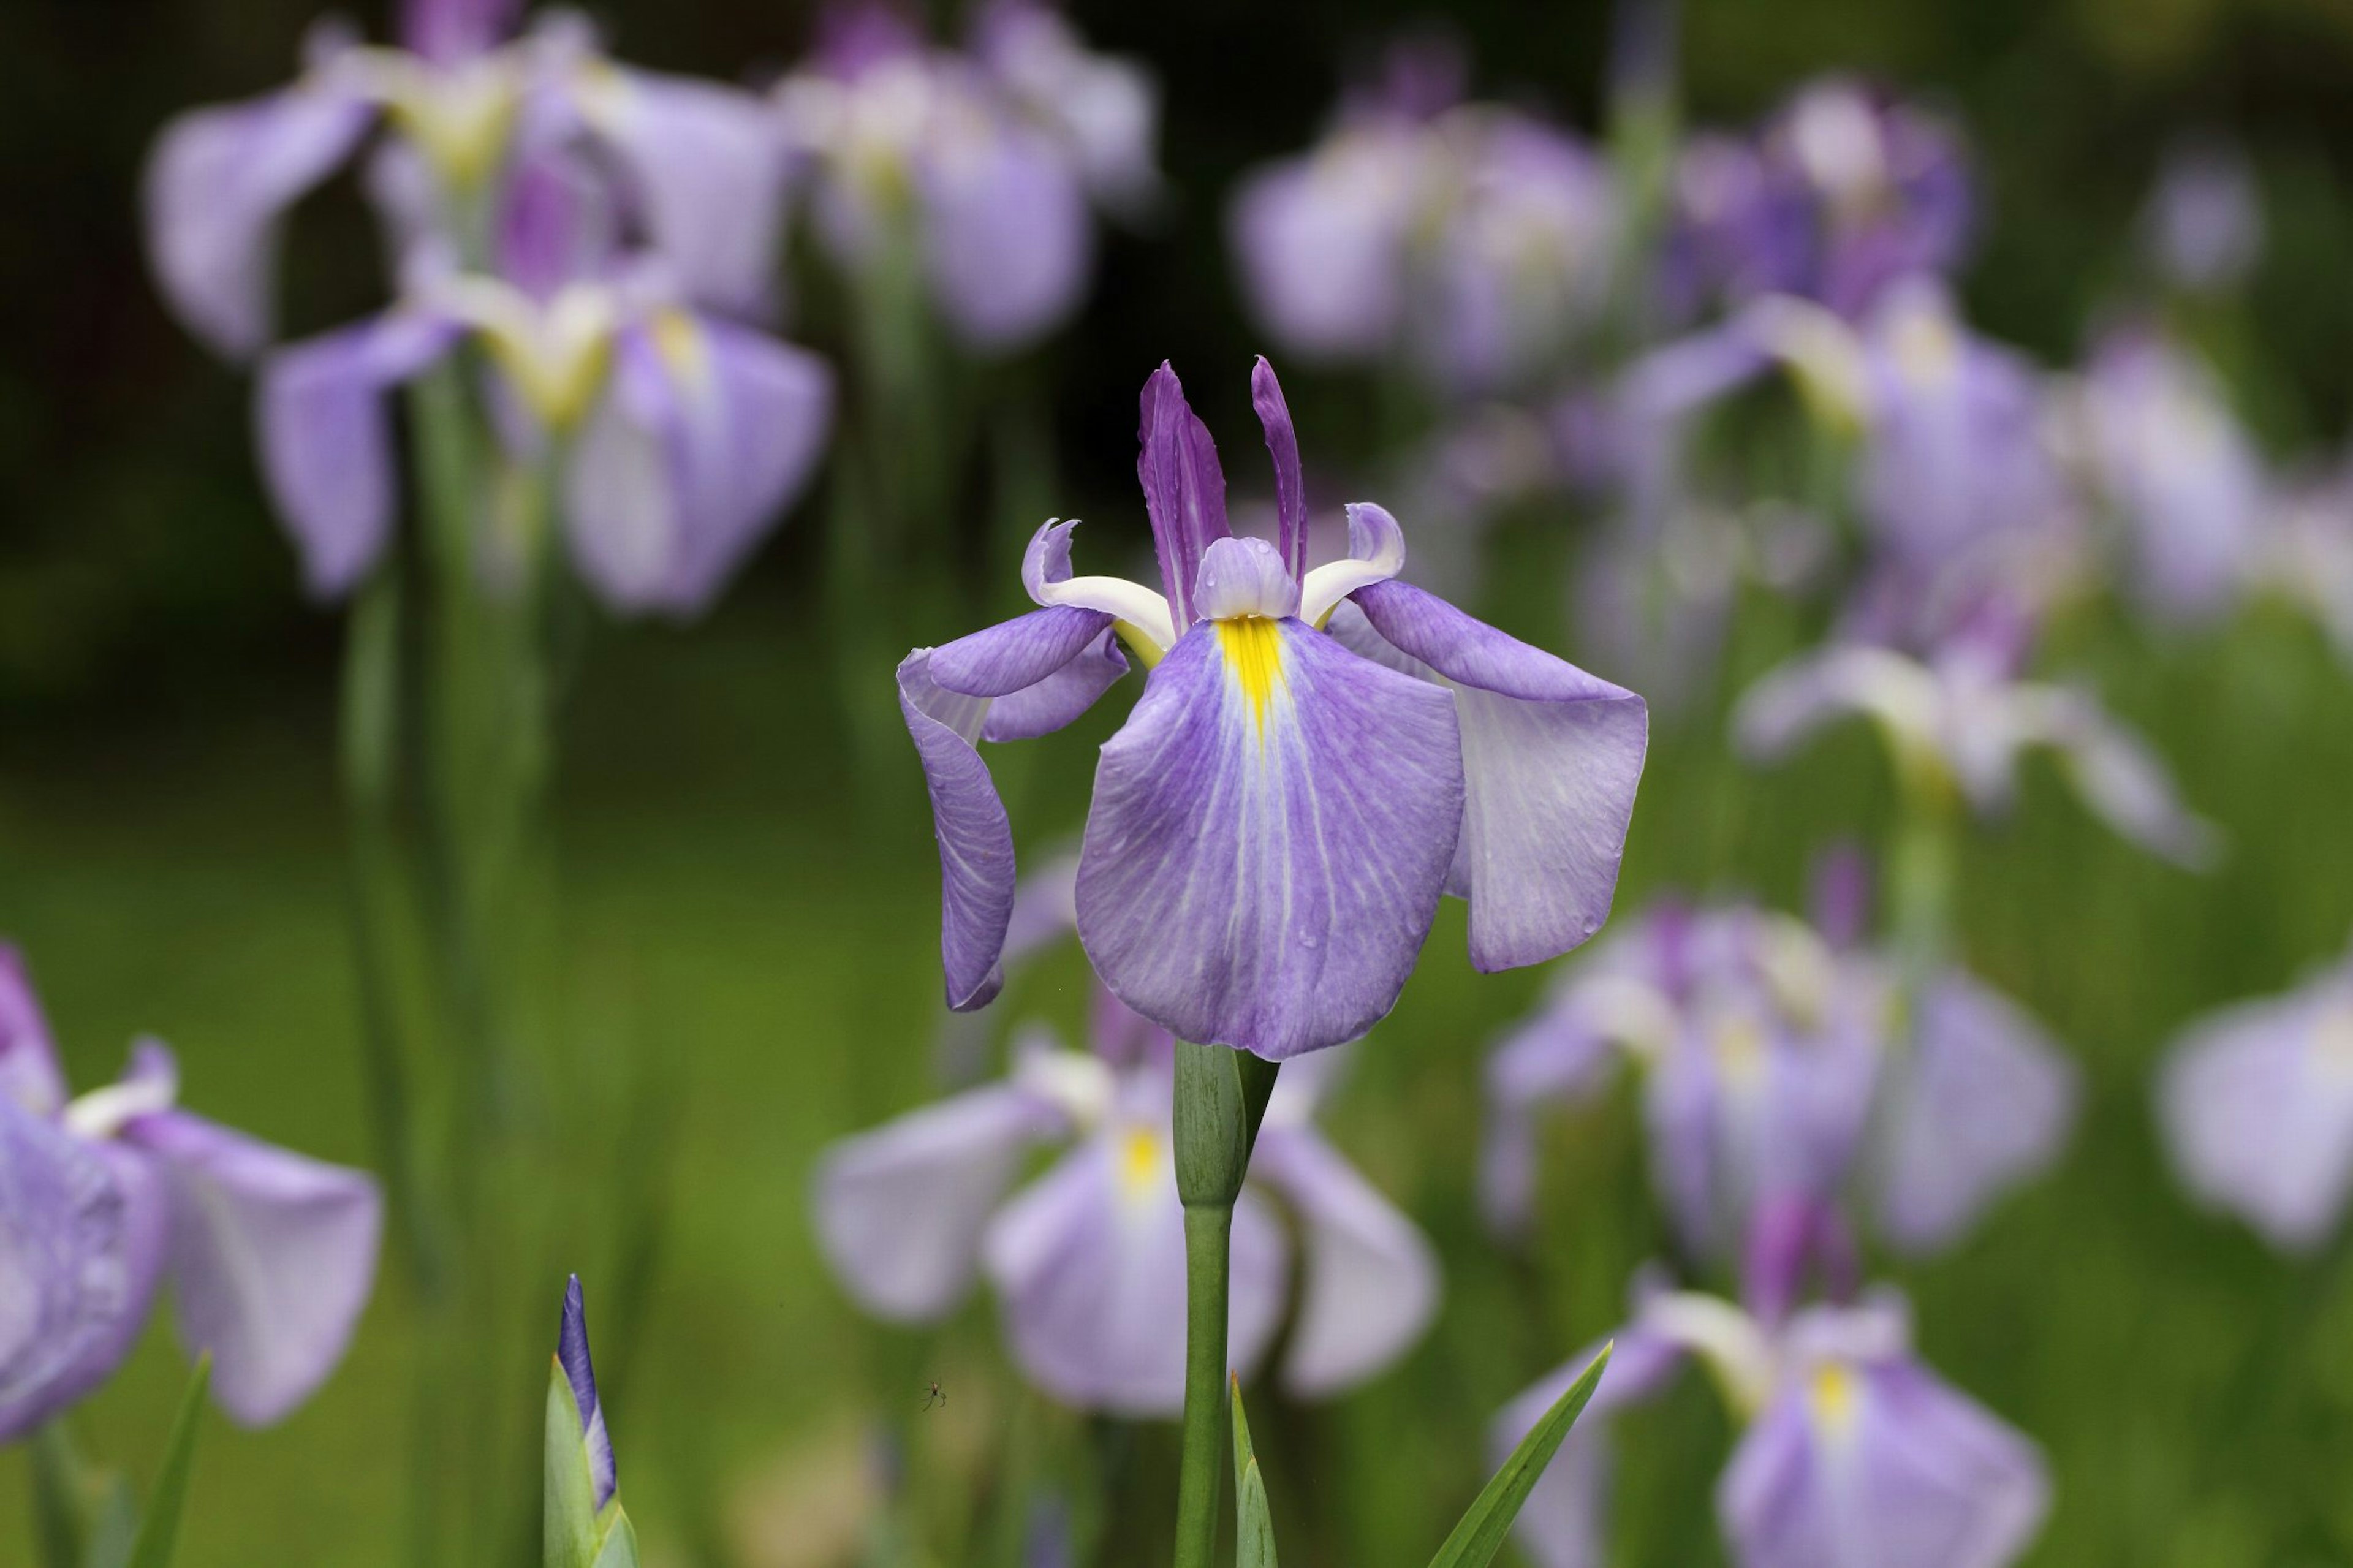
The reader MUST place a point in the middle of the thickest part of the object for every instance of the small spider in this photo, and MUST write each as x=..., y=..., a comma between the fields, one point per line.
x=936, y=1397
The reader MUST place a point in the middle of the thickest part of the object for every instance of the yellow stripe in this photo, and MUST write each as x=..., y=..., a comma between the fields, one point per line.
x=1253, y=648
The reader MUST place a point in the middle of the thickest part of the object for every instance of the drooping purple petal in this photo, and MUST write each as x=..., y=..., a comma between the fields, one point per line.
x=1184, y=488
x=707, y=165
x=272, y=1258
x=975, y=838
x=1021, y=652
x=450, y=32
x=1282, y=446
x=1551, y=756
x=1564, y=1519
x=1269, y=837
x=29, y=1074
x=1061, y=697
x=900, y=1210
x=216, y=186
x=1979, y=1104
x=1371, y=1277
x=1090, y=1263
x=2257, y=1106
x=81, y=1237
x=580, y=1371
x=1007, y=242
x=326, y=439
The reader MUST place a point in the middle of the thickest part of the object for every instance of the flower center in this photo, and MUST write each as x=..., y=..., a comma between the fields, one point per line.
x=1253, y=650
x=1141, y=1163
x=1831, y=1397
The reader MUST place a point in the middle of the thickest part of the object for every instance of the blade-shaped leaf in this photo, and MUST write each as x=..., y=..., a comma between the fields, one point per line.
x=1481, y=1534
x=159, y=1530
x=568, y=1505
x=1253, y=1524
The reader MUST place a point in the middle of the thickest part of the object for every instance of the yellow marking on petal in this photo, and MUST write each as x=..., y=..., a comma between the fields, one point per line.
x=1831, y=1396
x=683, y=348
x=1252, y=645
x=1142, y=1160
x=1739, y=1045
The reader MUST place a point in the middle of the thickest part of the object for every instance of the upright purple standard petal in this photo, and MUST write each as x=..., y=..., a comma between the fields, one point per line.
x=707, y=165
x=1007, y=239
x=448, y=32
x=326, y=439
x=976, y=838
x=272, y=1258
x=901, y=1211
x=1551, y=756
x=1184, y=488
x=81, y=1245
x=1282, y=446
x=1268, y=838
x=580, y=1371
x=29, y=1075
x=216, y=186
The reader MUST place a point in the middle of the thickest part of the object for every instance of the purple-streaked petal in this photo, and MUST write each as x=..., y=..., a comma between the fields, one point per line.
x=708, y=165
x=1282, y=446
x=1371, y=1277
x=1551, y=756
x=901, y=1211
x=1564, y=1520
x=451, y=32
x=1005, y=657
x=29, y=1074
x=1869, y=1465
x=975, y=838
x=1007, y=242
x=1269, y=837
x=1061, y=697
x=81, y=1237
x=1184, y=488
x=216, y=186
x=272, y=1258
x=327, y=443
x=1090, y=1264
x=1980, y=1104
x=580, y=1371
x=2257, y=1106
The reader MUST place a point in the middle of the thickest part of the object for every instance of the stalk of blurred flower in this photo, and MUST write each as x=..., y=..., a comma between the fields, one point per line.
x=956, y=194
x=271, y=1255
x=565, y=231
x=582, y=1523
x=1852, y=1453
x=1317, y=755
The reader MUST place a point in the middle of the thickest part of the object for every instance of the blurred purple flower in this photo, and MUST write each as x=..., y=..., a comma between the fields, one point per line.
x=1088, y=1260
x=2304, y=550
x=699, y=167
x=2204, y=222
x=679, y=436
x=271, y=1255
x=2256, y=1102
x=1853, y=1454
x=2172, y=460
x=1272, y=829
x=1473, y=241
x=986, y=163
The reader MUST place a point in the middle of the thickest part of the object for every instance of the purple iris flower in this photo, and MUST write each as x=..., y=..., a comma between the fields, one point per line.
x=678, y=435
x=1853, y=1454
x=699, y=166
x=1088, y=1260
x=987, y=164
x=2174, y=463
x=1473, y=241
x=2256, y=1102
x=1317, y=755
x=1957, y=723
x=1845, y=192
x=2203, y=225
x=271, y=1255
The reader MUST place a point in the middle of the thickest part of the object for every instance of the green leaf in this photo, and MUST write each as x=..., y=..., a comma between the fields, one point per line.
x=620, y=1541
x=568, y=1505
x=1481, y=1534
x=159, y=1531
x=1253, y=1524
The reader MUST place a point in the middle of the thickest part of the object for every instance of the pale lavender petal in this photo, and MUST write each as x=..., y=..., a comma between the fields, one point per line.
x=708, y=164
x=29, y=1074
x=327, y=442
x=1371, y=1281
x=580, y=1371
x=1551, y=757
x=1005, y=657
x=1268, y=838
x=1007, y=239
x=2128, y=785
x=272, y=1258
x=1320, y=246
x=900, y=1210
x=975, y=836
x=1184, y=488
x=450, y=32
x=1242, y=577
x=2257, y=1108
x=1089, y=1262
x=1980, y=1104
x=1564, y=1522
x=1282, y=446
x=1061, y=697
x=216, y=186
x=81, y=1246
